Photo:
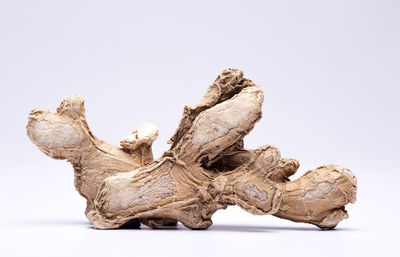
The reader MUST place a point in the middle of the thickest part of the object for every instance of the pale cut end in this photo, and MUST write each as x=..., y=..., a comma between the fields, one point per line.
x=145, y=134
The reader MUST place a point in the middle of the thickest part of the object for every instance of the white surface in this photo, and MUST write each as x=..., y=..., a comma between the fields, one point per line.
x=329, y=70
x=45, y=218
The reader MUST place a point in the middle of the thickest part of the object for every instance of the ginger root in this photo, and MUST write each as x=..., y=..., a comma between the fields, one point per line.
x=206, y=169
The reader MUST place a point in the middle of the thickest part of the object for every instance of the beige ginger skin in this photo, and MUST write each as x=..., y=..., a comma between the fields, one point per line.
x=206, y=169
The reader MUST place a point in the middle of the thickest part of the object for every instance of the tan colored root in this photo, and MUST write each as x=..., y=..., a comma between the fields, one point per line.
x=319, y=196
x=206, y=168
x=66, y=135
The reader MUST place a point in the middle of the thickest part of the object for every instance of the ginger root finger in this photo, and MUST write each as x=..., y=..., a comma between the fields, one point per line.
x=226, y=84
x=140, y=141
x=220, y=127
x=66, y=135
x=145, y=134
x=319, y=196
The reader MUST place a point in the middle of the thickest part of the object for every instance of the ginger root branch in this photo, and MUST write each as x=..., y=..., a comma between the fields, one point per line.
x=206, y=169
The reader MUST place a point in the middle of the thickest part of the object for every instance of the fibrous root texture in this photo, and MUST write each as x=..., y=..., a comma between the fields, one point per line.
x=206, y=169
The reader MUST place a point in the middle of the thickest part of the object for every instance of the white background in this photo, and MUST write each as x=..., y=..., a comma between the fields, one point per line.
x=329, y=70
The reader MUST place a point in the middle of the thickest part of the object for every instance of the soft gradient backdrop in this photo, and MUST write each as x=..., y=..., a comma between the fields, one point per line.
x=329, y=70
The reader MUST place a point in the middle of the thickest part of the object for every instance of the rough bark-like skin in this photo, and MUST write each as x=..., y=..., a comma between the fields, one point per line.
x=66, y=135
x=206, y=168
